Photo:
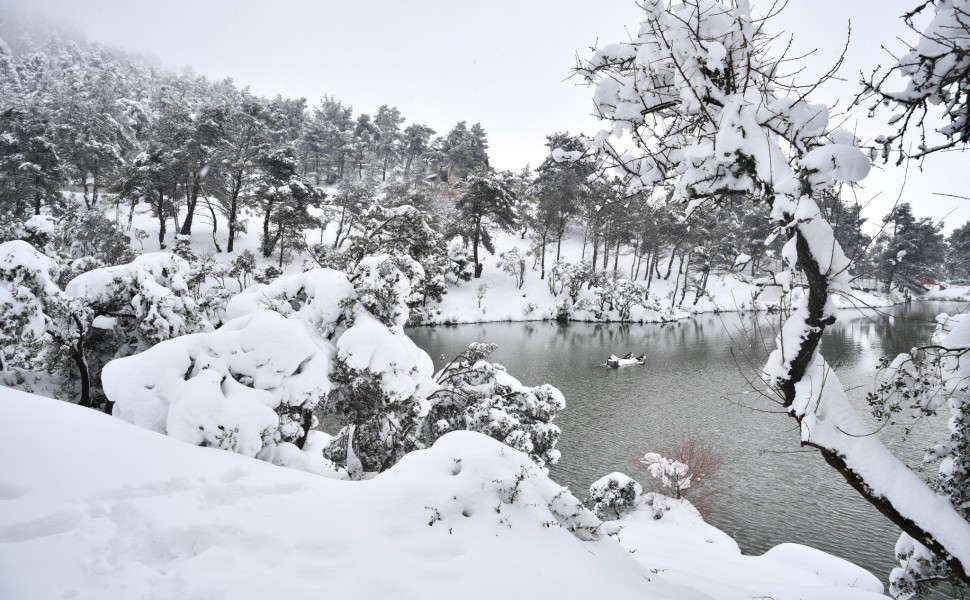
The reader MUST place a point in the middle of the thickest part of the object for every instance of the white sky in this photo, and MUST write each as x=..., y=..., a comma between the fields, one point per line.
x=503, y=63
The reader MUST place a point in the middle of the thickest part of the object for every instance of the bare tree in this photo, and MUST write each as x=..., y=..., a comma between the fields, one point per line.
x=936, y=71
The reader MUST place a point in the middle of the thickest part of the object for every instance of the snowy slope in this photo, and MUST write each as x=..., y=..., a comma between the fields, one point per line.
x=92, y=507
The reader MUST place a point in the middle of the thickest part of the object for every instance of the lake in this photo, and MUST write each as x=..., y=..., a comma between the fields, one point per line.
x=698, y=385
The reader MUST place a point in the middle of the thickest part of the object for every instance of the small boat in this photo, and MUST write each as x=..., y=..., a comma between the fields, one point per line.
x=615, y=362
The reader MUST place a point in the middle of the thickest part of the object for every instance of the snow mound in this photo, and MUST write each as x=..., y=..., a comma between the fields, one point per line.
x=223, y=388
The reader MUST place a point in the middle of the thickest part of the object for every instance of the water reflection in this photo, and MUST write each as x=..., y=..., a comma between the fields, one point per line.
x=696, y=386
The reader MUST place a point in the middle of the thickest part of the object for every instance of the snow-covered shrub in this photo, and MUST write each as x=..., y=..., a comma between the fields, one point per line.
x=380, y=382
x=383, y=286
x=673, y=475
x=37, y=231
x=481, y=396
x=88, y=240
x=209, y=282
x=461, y=264
x=27, y=288
x=683, y=469
x=118, y=311
x=322, y=298
x=623, y=294
x=513, y=263
x=923, y=382
x=243, y=268
x=145, y=301
x=405, y=234
x=480, y=293
x=614, y=495
x=570, y=278
x=249, y=385
x=379, y=378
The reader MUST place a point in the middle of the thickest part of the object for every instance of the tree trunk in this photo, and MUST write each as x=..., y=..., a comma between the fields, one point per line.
x=94, y=187
x=673, y=296
x=267, y=245
x=651, y=266
x=908, y=501
x=596, y=247
x=82, y=366
x=161, y=219
x=543, y=257
x=282, y=236
x=233, y=211
x=703, y=286
x=215, y=225
x=191, y=201
x=670, y=264
x=340, y=228
x=475, y=239
x=683, y=294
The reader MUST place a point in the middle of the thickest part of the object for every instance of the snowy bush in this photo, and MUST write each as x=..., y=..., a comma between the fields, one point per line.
x=383, y=286
x=36, y=231
x=379, y=378
x=481, y=396
x=689, y=466
x=27, y=288
x=320, y=297
x=513, y=263
x=624, y=294
x=461, y=264
x=118, y=311
x=673, y=475
x=251, y=384
x=89, y=240
x=380, y=382
x=570, y=278
x=145, y=301
x=405, y=234
x=614, y=495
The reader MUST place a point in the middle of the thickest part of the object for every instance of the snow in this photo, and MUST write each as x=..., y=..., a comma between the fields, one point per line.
x=829, y=421
x=836, y=162
x=727, y=292
x=689, y=552
x=467, y=518
x=223, y=388
x=406, y=369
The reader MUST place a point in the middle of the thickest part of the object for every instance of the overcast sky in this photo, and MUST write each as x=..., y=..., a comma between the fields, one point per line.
x=504, y=63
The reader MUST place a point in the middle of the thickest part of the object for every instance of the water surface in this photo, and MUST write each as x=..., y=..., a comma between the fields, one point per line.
x=700, y=384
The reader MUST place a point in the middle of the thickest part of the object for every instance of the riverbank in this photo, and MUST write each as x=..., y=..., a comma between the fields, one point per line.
x=497, y=296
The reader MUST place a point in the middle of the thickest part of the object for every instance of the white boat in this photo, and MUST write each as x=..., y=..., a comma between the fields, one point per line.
x=615, y=362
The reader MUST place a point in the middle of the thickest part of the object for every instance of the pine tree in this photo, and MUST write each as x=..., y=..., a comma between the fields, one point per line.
x=31, y=172
x=487, y=203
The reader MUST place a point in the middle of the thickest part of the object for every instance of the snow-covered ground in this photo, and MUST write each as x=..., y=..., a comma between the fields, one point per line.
x=959, y=293
x=93, y=507
x=503, y=301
